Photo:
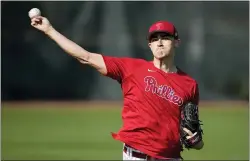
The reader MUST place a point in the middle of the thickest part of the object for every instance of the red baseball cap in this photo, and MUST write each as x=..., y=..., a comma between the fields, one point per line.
x=163, y=26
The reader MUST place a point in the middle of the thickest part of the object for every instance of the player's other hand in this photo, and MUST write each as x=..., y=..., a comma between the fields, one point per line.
x=41, y=23
x=190, y=136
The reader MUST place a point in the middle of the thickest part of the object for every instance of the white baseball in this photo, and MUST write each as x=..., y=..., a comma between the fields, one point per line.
x=34, y=12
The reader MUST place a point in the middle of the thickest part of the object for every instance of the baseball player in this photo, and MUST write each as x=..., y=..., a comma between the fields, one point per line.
x=160, y=110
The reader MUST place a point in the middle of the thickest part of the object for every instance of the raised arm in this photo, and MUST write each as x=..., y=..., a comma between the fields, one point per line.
x=93, y=59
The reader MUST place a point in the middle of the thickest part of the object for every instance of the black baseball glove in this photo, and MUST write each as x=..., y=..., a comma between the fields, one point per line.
x=190, y=120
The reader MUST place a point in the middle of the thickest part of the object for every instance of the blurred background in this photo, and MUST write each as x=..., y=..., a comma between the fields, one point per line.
x=78, y=108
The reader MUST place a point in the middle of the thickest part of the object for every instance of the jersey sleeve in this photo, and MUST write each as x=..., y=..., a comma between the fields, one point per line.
x=119, y=68
x=196, y=94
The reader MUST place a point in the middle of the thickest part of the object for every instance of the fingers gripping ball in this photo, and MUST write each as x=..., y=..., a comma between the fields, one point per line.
x=34, y=12
x=190, y=120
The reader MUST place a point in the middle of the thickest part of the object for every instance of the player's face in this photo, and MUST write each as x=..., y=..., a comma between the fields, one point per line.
x=161, y=45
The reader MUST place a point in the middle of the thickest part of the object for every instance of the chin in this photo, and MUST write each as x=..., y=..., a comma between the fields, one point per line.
x=161, y=56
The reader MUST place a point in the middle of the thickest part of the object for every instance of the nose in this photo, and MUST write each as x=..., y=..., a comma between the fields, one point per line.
x=159, y=42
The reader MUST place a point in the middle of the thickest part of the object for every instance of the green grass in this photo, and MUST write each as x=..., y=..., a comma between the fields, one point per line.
x=84, y=134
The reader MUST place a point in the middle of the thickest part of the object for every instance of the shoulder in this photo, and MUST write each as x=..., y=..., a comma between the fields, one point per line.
x=124, y=59
x=135, y=60
x=192, y=86
x=187, y=78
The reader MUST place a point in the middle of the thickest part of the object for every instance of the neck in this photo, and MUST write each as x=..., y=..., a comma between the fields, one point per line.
x=166, y=64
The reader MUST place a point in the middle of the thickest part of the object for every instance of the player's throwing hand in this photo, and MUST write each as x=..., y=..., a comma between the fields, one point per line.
x=41, y=23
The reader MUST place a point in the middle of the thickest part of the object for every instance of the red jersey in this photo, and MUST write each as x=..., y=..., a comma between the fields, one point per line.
x=151, y=108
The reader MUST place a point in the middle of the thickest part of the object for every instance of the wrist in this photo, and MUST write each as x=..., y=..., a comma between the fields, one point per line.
x=49, y=30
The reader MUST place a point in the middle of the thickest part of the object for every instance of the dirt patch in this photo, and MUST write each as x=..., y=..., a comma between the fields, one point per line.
x=224, y=104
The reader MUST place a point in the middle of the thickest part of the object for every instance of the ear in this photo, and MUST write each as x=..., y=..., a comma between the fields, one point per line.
x=177, y=43
x=149, y=44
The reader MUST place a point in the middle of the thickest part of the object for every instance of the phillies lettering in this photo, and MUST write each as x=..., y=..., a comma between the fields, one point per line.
x=162, y=91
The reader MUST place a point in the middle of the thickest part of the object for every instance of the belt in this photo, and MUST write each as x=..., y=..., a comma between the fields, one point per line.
x=141, y=155
x=134, y=153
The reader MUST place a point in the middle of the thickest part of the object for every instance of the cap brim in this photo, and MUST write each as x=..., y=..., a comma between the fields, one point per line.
x=158, y=31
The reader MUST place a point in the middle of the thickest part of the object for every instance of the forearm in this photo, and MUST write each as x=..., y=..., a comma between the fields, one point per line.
x=67, y=45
